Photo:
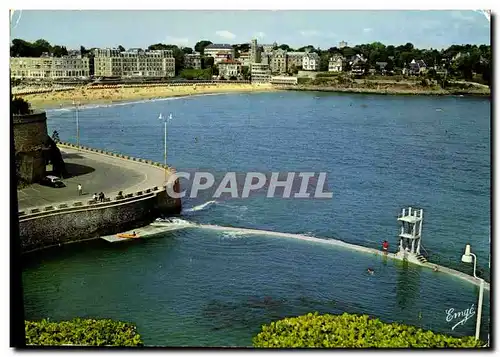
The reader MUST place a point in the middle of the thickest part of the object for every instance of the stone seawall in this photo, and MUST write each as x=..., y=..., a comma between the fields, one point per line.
x=68, y=222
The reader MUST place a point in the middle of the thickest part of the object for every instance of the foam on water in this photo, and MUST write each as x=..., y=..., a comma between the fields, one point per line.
x=118, y=104
x=200, y=207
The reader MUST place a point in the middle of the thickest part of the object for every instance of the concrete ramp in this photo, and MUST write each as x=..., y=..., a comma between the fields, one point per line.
x=143, y=232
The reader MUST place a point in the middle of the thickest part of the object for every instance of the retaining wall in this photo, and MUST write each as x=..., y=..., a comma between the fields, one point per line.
x=73, y=221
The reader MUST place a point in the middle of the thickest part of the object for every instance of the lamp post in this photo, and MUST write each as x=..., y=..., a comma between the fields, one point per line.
x=467, y=257
x=77, y=126
x=165, y=142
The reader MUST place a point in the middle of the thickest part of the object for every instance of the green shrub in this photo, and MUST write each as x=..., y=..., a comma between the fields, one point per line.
x=352, y=331
x=82, y=332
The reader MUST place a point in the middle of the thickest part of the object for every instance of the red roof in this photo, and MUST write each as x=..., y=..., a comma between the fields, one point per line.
x=230, y=62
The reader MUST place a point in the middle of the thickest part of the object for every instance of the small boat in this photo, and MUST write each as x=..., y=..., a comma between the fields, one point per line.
x=128, y=235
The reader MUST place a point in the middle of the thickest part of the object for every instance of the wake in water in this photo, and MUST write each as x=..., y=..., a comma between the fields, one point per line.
x=199, y=207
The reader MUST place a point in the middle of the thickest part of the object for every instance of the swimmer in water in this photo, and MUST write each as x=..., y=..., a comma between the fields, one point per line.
x=370, y=271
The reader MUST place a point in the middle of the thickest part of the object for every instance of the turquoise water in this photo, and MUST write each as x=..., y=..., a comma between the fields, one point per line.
x=203, y=288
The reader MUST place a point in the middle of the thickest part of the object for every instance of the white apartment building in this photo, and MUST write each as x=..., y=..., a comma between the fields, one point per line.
x=294, y=60
x=219, y=51
x=278, y=61
x=284, y=80
x=335, y=64
x=192, y=60
x=221, y=57
x=135, y=62
x=244, y=59
x=49, y=67
x=260, y=73
x=229, y=68
x=310, y=61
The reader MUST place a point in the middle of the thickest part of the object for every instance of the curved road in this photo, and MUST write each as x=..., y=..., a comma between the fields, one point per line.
x=95, y=172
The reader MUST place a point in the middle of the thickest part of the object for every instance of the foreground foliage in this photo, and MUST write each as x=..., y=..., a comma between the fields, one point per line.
x=352, y=331
x=82, y=332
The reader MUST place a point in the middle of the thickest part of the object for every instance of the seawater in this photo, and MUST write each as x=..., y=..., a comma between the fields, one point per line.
x=196, y=287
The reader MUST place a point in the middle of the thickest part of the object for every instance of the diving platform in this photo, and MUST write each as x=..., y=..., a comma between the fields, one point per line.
x=150, y=230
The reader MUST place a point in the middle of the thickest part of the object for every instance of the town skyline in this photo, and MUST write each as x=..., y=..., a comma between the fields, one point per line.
x=424, y=29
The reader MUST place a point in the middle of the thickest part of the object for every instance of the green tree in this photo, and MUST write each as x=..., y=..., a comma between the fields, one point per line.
x=21, y=48
x=285, y=47
x=352, y=331
x=323, y=61
x=348, y=52
x=390, y=65
x=245, y=71
x=187, y=50
x=59, y=51
x=200, y=46
x=82, y=332
x=42, y=46
x=121, y=48
x=207, y=62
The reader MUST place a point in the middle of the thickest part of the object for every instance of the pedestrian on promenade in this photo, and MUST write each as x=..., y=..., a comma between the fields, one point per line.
x=80, y=190
x=101, y=196
x=94, y=197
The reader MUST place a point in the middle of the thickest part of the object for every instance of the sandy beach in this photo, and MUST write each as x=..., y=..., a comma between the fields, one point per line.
x=86, y=95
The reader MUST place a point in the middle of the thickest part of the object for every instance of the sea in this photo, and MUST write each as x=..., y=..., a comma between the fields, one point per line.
x=199, y=287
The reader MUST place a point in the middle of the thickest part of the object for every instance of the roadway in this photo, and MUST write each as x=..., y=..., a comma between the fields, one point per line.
x=95, y=172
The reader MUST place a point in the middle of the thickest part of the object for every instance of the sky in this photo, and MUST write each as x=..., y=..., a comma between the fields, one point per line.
x=324, y=29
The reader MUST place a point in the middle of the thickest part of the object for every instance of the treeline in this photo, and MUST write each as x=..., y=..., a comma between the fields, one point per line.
x=472, y=59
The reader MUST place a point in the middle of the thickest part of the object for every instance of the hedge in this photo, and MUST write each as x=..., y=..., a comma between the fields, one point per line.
x=82, y=332
x=352, y=331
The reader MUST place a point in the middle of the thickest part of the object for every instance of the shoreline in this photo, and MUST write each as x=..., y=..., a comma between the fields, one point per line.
x=117, y=95
x=386, y=91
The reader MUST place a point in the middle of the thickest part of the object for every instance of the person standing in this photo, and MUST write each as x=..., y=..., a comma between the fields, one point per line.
x=80, y=190
x=385, y=246
x=94, y=197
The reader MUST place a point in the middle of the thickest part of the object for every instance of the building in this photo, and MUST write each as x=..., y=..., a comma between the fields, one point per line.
x=245, y=59
x=310, y=61
x=335, y=63
x=229, y=68
x=269, y=48
x=192, y=60
x=278, y=61
x=294, y=61
x=49, y=67
x=357, y=60
x=381, y=66
x=134, y=62
x=417, y=67
x=284, y=80
x=260, y=73
x=221, y=56
x=215, y=50
x=266, y=58
x=255, y=52
x=342, y=44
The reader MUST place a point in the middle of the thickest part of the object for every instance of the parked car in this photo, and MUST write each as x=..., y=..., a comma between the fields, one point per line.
x=52, y=181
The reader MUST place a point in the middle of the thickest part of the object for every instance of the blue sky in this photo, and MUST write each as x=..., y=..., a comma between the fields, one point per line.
x=101, y=28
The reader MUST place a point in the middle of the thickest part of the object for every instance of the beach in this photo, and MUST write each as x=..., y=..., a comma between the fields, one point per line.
x=89, y=95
